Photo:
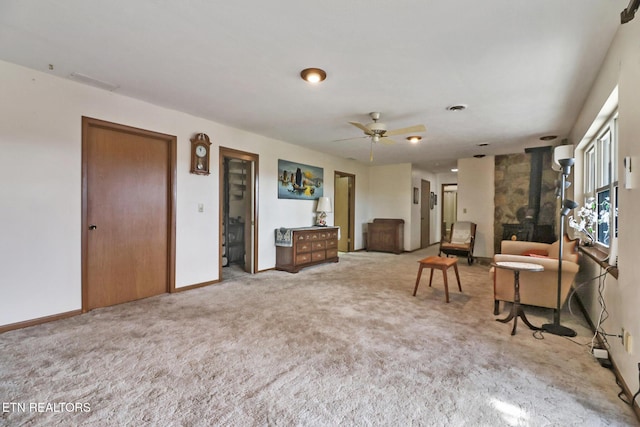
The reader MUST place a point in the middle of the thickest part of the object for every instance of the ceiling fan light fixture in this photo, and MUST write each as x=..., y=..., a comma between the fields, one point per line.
x=414, y=139
x=313, y=75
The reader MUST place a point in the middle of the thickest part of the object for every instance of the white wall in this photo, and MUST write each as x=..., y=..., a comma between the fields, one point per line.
x=621, y=67
x=391, y=195
x=40, y=166
x=476, y=185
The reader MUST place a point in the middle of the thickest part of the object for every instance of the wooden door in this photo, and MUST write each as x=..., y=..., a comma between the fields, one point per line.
x=425, y=214
x=341, y=211
x=344, y=207
x=128, y=201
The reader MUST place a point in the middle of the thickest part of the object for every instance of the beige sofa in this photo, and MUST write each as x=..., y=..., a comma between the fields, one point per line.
x=538, y=289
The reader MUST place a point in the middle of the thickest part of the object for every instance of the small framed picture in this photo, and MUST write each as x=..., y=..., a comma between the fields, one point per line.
x=432, y=200
x=416, y=195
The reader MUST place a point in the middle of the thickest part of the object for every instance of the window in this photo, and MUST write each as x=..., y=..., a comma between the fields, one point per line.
x=601, y=182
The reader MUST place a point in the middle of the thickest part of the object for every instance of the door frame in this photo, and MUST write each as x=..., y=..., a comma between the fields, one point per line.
x=352, y=207
x=425, y=206
x=253, y=205
x=442, y=188
x=87, y=124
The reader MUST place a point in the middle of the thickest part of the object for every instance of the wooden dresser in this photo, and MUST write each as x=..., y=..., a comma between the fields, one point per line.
x=386, y=235
x=297, y=248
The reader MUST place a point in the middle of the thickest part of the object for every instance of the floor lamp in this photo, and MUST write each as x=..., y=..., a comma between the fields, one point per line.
x=565, y=207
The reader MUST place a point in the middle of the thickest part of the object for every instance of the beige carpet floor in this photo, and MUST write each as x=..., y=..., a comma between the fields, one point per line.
x=336, y=344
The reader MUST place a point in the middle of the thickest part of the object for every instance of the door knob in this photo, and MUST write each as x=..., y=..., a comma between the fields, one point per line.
x=93, y=227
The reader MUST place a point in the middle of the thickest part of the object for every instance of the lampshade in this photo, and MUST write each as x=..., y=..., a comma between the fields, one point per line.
x=566, y=165
x=558, y=184
x=324, y=204
x=561, y=152
x=567, y=184
x=567, y=206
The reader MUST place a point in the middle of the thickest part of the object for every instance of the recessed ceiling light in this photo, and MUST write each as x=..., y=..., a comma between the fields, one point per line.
x=548, y=137
x=313, y=75
x=414, y=139
x=458, y=107
x=454, y=170
x=479, y=156
x=484, y=144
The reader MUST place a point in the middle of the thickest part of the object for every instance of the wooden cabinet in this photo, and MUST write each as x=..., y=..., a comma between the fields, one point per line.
x=234, y=243
x=385, y=235
x=297, y=248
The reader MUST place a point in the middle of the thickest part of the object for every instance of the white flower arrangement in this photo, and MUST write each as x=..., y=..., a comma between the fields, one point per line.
x=588, y=216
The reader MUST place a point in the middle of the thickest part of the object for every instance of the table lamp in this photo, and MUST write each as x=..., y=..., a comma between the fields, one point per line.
x=324, y=206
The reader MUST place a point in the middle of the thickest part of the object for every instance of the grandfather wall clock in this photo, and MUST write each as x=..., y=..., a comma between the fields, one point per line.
x=200, y=154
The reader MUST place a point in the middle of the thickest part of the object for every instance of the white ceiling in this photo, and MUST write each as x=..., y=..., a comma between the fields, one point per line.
x=523, y=67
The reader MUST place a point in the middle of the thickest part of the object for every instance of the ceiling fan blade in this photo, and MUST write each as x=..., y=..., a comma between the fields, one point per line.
x=387, y=141
x=349, y=139
x=410, y=129
x=362, y=127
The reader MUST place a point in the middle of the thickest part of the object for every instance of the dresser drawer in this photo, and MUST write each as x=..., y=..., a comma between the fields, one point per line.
x=303, y=258
x=317, y=256
x=332, y=243
x=308, y=235
x=321, y=244
x=303, y=247
x=332, y=253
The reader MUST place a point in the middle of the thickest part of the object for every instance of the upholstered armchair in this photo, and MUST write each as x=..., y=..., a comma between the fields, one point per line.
x=461, y=240
x=537, y=289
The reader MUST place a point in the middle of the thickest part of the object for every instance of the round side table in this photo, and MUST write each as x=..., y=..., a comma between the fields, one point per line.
x=516, y=308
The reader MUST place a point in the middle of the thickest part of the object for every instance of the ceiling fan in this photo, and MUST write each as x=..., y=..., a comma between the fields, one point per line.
x=378, y=132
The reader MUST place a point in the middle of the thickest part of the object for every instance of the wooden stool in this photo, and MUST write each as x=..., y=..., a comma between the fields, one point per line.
x=441, y=264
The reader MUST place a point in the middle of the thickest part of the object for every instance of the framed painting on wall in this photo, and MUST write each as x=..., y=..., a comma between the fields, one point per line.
x=299, y=181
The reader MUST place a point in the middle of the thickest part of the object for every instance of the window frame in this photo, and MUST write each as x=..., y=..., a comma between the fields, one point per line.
x=600, y=175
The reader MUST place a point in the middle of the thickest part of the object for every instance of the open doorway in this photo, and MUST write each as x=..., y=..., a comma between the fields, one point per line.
x=238, y=213
x=449, y=207
x=425, y=213
x=344, y=209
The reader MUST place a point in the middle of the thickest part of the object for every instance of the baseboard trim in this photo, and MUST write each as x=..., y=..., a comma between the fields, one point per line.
x=196, y=286
x=38, y=321
x=629, y=394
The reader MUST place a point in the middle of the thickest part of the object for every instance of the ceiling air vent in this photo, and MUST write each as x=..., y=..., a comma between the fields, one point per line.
x=93, y=82
x=458, y=107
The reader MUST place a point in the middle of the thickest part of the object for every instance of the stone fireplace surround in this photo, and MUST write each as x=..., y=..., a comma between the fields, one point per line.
x=512, y=197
